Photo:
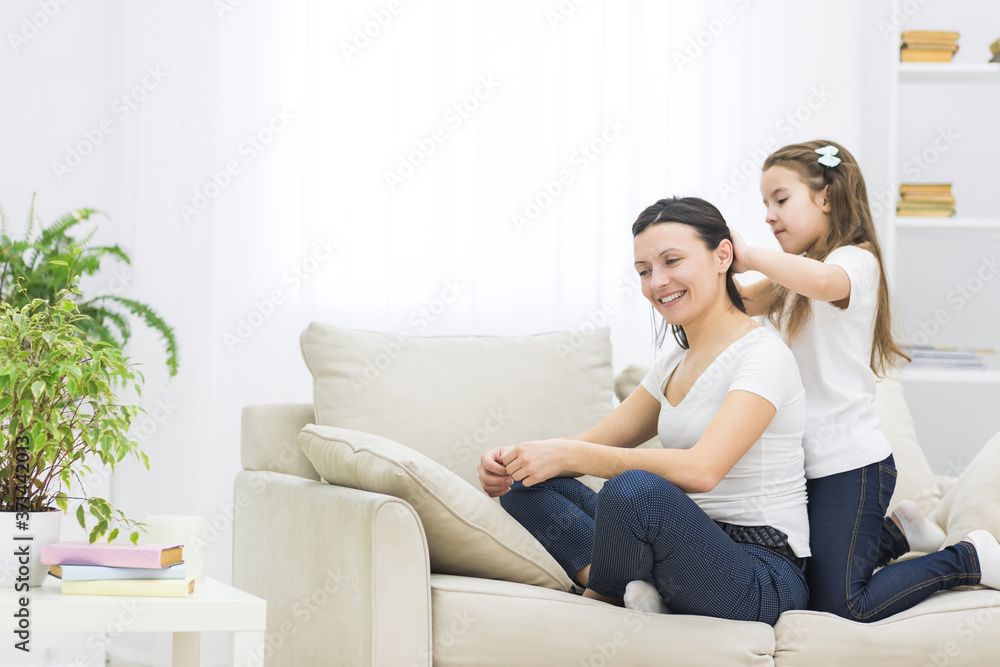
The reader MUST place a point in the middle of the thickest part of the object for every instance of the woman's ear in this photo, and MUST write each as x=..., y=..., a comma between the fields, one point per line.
x=724, y=255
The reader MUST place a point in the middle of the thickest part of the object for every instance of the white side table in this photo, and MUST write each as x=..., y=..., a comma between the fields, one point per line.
x=213, y=607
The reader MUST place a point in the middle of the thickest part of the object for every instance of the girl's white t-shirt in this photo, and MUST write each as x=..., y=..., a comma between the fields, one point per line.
x=767, y=485
x=833, y=351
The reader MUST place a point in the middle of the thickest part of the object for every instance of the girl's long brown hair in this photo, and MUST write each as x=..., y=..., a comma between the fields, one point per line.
x=850, y=224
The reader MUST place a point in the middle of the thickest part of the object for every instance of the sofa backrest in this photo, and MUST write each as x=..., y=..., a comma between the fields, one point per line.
x=452, y=398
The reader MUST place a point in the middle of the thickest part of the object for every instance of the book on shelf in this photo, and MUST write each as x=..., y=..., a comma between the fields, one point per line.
x=928, y=46
x=932, y=200
x=935, y=356
x=925, y=188
x=92, y=572
x=928, y=198
x=924, y=36
x=166, y=588
x=110, y=554
x=925, y=55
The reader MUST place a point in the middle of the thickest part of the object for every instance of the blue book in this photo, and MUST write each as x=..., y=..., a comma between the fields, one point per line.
x=96, y=572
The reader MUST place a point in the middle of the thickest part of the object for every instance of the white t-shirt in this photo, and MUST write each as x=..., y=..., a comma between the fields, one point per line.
x=767, y=486
x=833, y=351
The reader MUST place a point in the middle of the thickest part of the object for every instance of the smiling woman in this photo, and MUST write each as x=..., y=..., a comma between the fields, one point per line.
x=714, y=523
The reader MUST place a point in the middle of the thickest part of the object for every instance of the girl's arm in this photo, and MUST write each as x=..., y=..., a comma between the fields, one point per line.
x=754, y=295
x=808, y=277
x=738, y=424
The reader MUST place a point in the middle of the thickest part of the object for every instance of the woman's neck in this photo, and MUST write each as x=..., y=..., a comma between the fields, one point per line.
x=718, y=328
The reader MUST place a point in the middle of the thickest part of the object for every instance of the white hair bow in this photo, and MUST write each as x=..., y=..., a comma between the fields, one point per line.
x=827, y=156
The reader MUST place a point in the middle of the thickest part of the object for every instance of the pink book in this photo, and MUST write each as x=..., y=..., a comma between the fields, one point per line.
x=112, y=555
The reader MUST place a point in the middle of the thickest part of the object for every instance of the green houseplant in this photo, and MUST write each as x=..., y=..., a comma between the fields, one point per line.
x=38, y=268
x=59, y=412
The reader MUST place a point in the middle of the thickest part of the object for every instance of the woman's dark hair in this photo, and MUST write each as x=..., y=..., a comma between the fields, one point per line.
x=710, y=227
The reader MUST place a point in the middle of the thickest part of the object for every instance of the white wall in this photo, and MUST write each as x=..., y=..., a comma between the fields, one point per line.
x=775, y=73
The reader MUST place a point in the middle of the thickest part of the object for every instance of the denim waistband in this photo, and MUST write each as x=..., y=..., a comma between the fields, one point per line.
x=768, y=537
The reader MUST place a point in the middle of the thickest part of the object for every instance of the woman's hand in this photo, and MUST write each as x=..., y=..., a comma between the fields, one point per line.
x=538, y=460
x=740, y=251
x=493, y=476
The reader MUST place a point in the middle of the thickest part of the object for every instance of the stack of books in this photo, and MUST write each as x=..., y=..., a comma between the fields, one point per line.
x=147, y=570
x=932, y=200
x=995, y=50
x=928, y=46
x=936, y=356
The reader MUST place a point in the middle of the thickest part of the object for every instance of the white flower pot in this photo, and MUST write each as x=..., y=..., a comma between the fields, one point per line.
x=21, y=546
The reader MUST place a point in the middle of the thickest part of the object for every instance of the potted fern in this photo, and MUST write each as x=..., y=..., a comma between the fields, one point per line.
x=38, y=268
x=59, y=413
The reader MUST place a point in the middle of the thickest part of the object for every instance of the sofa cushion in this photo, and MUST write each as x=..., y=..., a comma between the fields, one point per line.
x=956, y=627
x=915, y=481
x=467, y=533
x=452, y=398
x=973, y=501
x=479, y=622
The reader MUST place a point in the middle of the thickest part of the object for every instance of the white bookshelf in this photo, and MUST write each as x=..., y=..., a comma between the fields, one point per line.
x=957, y=74
x=948, y=72
x=958, y=222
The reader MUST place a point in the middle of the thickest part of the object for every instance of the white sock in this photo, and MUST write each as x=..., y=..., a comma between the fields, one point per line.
x=923, y=534
x=988, y=552
x=643, y=596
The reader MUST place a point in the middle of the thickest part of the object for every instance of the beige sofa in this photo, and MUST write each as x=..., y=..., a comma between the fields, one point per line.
x=351, y=576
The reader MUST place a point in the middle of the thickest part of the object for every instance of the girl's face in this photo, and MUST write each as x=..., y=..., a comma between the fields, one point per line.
x=798, y=216
x=679, y=275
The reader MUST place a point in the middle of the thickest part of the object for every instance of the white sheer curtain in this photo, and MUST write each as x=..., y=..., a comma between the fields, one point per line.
x=524, y=138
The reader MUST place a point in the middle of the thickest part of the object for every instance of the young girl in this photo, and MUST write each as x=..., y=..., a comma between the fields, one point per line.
x=827, y=294
x=716, y=520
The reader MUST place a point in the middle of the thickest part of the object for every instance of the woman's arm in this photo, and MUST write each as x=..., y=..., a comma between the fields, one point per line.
x=740, y=421
x=630, y=424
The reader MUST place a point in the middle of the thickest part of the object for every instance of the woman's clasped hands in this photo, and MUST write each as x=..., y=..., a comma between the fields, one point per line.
x=529, y=463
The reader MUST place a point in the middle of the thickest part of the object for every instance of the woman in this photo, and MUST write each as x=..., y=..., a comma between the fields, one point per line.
x=714, y=523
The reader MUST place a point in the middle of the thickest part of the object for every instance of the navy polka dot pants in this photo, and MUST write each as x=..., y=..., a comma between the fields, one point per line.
x=640, y=526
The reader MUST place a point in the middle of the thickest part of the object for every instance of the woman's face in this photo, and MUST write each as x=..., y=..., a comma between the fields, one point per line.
x=679, y=275
x=798, y=216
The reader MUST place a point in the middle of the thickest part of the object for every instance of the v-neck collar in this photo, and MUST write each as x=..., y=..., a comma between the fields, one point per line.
x=670, y=374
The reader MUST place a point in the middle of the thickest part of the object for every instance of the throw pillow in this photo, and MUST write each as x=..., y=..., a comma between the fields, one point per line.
x=973, y=501
x=452, y=398
x=467, y=533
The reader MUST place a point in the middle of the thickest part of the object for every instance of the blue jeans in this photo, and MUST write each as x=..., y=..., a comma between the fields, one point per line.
x=640, y=526
x=850, y=535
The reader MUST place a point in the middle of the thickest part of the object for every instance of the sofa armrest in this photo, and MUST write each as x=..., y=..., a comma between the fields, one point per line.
x=346, y=573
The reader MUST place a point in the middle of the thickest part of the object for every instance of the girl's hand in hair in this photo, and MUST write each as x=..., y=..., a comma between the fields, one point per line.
x=740, y=252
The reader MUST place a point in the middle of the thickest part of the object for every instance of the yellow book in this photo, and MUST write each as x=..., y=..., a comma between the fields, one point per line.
x=159, y=588
x=926, y=213
x=943, y=188
x=925, y=55
x=917, y=36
